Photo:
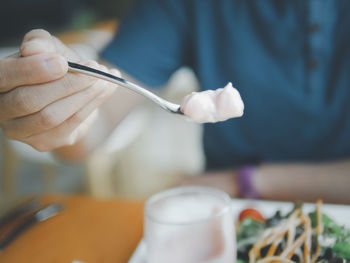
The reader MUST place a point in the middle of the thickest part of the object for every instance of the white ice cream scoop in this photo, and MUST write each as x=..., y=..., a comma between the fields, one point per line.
x=213, y=105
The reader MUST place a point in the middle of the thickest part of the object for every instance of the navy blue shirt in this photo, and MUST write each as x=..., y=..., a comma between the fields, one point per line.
x=290, y=60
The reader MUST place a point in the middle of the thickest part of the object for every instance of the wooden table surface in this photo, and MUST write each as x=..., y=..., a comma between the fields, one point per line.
x=87, y=230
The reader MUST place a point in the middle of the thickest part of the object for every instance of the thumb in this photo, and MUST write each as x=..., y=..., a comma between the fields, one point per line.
x=37, y=41
x=35, y=69
x=40, y=41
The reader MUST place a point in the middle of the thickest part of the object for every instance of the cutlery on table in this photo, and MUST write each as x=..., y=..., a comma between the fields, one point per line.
x=38, y=216
x=17, y=209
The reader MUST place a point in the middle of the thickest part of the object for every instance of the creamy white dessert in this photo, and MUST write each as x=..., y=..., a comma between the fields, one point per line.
x=184, y=228
x=213, y=105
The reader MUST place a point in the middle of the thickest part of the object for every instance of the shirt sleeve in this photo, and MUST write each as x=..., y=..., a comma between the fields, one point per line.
x=151, y=42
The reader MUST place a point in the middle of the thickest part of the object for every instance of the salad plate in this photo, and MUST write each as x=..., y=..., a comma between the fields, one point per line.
x=339, y=213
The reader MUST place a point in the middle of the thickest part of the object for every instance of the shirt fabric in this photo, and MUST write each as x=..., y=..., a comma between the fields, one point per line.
x=289, y=59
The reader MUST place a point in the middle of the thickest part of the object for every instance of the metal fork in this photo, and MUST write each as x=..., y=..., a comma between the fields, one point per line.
x=166, y=105
x=75, y=67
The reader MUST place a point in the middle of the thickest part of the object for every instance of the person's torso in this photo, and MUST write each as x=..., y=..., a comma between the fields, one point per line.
x=290, y=60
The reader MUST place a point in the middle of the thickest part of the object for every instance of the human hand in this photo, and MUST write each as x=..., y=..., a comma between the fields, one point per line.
x=43, y=105
x=224, y=180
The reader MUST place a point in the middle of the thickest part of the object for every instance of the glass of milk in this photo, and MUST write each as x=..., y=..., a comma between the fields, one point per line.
x=189, y=225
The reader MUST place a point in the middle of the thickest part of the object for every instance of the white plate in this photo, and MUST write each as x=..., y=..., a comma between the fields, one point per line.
x=340, y=213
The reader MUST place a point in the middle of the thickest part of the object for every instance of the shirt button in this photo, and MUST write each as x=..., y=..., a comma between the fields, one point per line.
x=312, y=64
x=314, y=28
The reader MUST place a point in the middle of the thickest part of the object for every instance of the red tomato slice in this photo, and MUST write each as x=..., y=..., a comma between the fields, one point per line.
x=252, y=213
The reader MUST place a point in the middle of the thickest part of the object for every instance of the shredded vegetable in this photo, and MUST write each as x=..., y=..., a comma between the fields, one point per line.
x=297, y=237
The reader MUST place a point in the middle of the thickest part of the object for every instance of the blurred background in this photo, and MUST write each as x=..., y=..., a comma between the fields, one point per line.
x=149, y=151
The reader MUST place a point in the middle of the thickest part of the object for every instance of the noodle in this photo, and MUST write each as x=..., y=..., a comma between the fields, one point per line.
x=299, y=246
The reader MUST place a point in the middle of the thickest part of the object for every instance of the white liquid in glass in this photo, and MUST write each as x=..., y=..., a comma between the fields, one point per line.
x=190, y=228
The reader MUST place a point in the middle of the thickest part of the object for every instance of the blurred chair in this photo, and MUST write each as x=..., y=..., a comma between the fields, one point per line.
x=149, y=150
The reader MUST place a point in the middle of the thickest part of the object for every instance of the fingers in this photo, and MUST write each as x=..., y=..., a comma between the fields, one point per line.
x=36, y=46
x=43, y=60
x=37, y=33
x=54, y=114
x=27, y=100
x=35, y=69
x=115, y=72
x=70, y=131
x=40, y=41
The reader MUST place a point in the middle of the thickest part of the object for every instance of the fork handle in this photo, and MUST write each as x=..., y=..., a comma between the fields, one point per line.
x=171, y=107
x=78, y=68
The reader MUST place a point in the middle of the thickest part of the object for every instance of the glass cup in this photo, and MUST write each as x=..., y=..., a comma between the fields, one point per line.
x=189, y=225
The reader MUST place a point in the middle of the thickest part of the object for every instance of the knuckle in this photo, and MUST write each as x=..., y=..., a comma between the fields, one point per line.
x=38, y=144
x=103, y=68
x=36, y=46
x=111, y=88
x=44, y=67
x=36, y=33
x=91, y=63
x=98, y=86
x=102, y=97
x=67, y=140
x=25, y=48
x=107, y=91
x=116, y=72
x=48, y=119
x=41, y=148
x=76, y=82
x=77, y=119
x=54, y=65
x=68, y=84
x=33, y=69
x=23, y=102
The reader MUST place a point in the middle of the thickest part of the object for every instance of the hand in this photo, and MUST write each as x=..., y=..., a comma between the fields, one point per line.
x=43, y=105
x=224, y=180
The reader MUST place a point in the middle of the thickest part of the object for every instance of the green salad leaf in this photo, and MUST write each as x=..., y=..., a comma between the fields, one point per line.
x=334, y=241
x=334, y=236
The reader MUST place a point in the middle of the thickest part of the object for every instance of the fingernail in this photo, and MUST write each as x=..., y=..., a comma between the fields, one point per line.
x=54, y=66
x=35, y=46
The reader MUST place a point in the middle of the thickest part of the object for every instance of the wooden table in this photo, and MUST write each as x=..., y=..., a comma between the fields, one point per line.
x=88, y=230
